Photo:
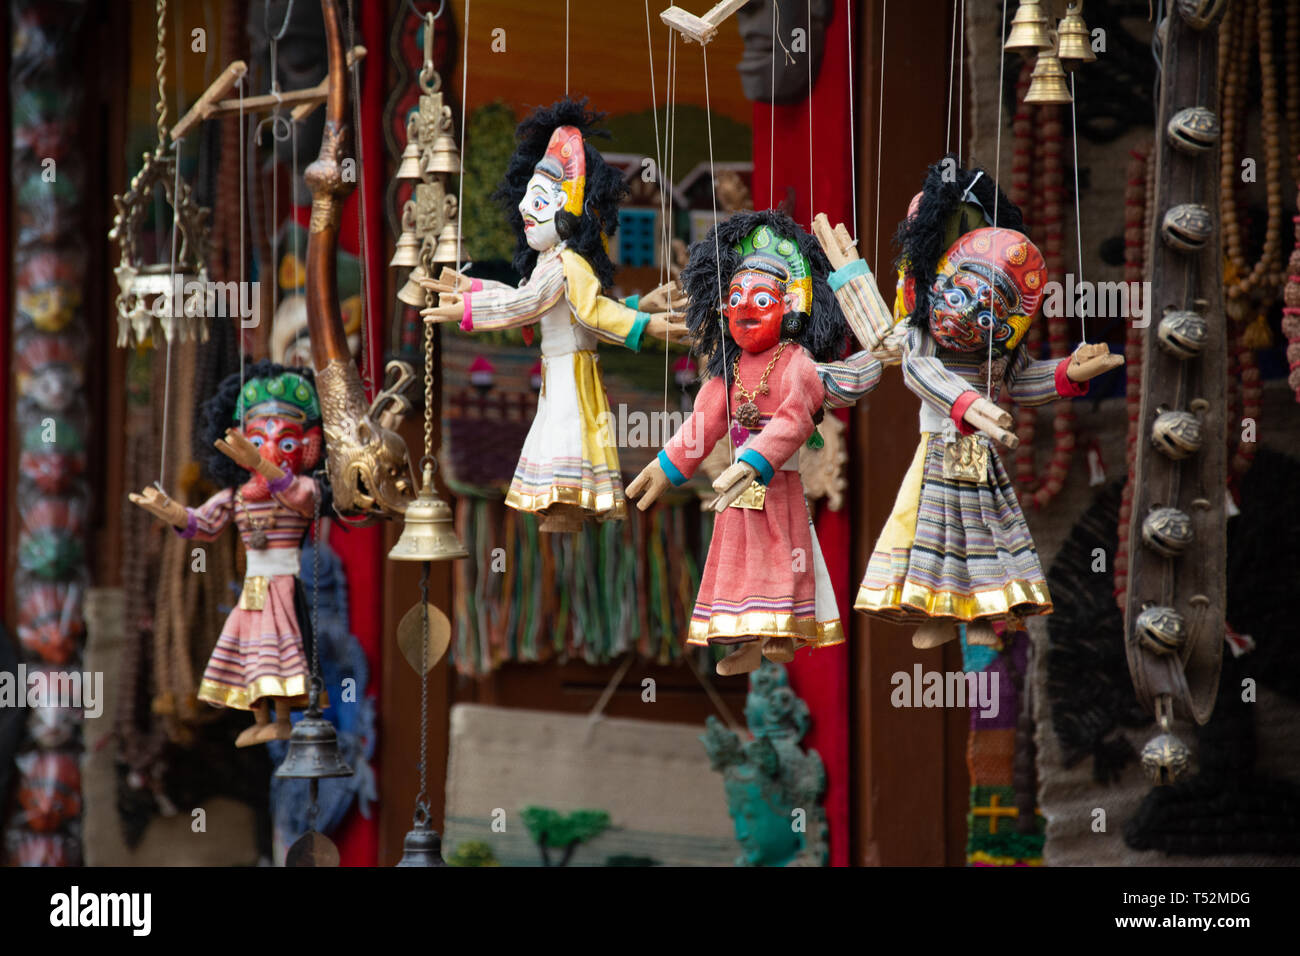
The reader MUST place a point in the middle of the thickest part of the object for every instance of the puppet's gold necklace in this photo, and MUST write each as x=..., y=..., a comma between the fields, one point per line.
x=747, y=414
x=257, y=538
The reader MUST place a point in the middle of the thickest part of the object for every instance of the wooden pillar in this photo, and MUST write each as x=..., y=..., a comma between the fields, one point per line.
x=910, y=787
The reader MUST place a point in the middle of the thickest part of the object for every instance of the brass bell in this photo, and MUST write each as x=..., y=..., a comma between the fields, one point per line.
x=1187, y=227
x=1201, y=14
x=422, y=846
x=413, y=293
x=1029, y=32
x=1047, y=82
x=1165, y=758
x=428, y=532
x=444, y=156
x=313, y=750
x=447, y=251
x=1176, y=434
x=1182, y=333
x=1075, y=46
x=1167, y=531
x=409, y=167
x=1193, y=130
x=407, y=251
x=1161, y=630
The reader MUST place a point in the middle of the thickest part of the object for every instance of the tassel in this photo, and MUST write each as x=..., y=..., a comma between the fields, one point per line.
x=1257, y=335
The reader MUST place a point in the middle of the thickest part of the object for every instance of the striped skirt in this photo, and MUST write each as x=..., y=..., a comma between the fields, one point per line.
x=953, y=549
x=259, y=653
x=568, y=457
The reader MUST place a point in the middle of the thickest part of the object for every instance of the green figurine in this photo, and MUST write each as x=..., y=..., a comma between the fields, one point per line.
x=773, y=785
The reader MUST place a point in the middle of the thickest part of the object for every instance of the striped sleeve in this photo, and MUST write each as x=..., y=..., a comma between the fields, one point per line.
x=505, y=307
x=849, y=380
x=927, y=376
x=1037, y=382
x=209, y=519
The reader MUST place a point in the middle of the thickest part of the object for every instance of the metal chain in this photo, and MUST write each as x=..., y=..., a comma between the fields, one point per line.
x=428, y=391
x=761, y=389
x=421, y=798
x=317, y=683
x=160, y=61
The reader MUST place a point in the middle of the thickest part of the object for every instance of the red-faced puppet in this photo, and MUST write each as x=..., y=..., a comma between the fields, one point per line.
x=268, y=436
x=764, y=587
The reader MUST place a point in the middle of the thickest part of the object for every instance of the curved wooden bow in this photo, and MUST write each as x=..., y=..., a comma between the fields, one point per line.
x=368, y=463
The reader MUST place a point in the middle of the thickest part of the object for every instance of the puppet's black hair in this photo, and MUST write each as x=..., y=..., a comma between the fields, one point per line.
x=823, y=333
x=218, y=413
x=920, y=238
x=603, y=190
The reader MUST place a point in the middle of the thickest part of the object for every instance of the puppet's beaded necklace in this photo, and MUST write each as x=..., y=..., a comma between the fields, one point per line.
x=747, y=414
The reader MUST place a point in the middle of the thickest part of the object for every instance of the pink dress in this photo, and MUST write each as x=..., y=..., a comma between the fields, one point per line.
x=260, y=652
x=765, y=576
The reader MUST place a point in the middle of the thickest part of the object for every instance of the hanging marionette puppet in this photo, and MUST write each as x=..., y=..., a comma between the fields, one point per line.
x=562, y=199
x=765, y=585
x=956, y=548
x=265, y=467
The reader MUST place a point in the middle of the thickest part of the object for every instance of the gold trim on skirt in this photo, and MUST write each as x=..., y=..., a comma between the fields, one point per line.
x=915, y=602
x=243, y=698
x=765, y=624
x=602, y=506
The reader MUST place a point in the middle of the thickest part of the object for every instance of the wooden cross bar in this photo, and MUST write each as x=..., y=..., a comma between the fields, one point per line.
x=700, y=29
x=211, y=103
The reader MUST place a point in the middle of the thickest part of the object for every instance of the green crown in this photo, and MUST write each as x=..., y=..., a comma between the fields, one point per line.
x=766, y=244
x=288, y=395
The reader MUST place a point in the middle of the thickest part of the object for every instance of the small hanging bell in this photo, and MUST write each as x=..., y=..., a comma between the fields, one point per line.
x=1047, y=82
x=1165, y=758
x=409, y=167
x=428, y=532
x=447, y=251
x=422, y=846
x=444, y=156
x=407, y=251
x=313, y=749
x=1028, y=29
x=413, y=293
x=1075, y=45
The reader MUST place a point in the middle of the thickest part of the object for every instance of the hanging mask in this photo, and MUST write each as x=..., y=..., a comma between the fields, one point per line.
x=989, y=286
x=557, y=186
x=770, y=294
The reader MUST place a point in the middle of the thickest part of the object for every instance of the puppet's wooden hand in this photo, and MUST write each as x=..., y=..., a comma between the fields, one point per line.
x=667, y=297
x=731, y=484
x=649, y=485
x=161, y=507
x=245, y=454
x=992, y=421
x=838, y=245
x=450, y=308
x=890, y=350
x=1089, y=361
x=448, y=281
x=667, y=326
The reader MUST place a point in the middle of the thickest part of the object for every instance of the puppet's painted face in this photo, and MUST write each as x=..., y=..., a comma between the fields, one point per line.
x=987, y=291
x=756, y=303
x=543, y=198
x=285, y=443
